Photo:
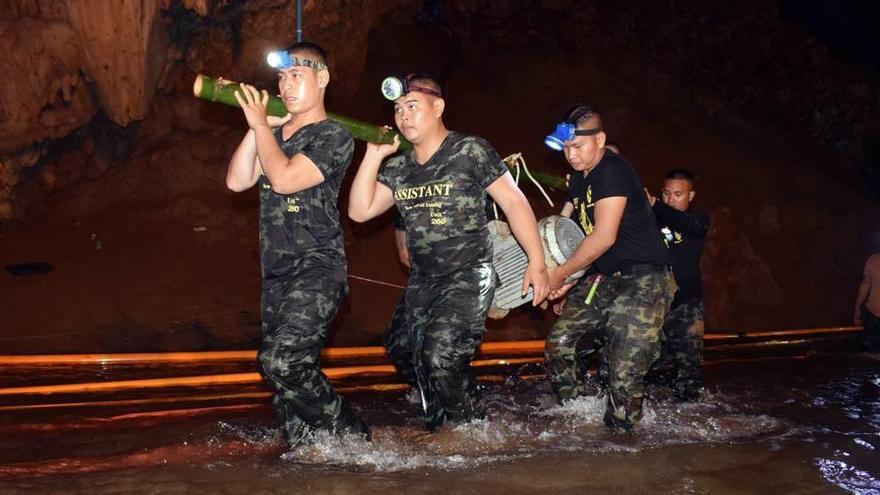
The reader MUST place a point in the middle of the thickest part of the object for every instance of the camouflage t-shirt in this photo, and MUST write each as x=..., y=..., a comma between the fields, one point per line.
x=443, y=203
x=307, y=221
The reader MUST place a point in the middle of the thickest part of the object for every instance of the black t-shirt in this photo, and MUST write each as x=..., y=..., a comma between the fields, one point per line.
x=443, y=203
x=685, y=233
x=638, y=237
x=307, y=221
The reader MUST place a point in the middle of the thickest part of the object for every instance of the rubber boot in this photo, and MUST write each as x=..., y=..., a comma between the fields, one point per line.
x=348, y=423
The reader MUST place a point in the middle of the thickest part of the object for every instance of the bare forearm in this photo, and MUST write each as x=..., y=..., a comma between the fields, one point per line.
x=363, y=188
x=400, y=245
x=525, y=229
x=608, y=215
x=567, y=210
x=241, y=173
x=589, y=251
x=274, y=162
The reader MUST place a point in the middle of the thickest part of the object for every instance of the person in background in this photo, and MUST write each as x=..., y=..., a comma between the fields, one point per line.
x=867, y=307
x=685, y=231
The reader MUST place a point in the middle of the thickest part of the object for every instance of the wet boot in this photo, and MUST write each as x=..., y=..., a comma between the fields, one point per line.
x=631, y=412
x=434, y=421
x=617, y=425
x=687, y=395
x=299, y=435
x=660, y=376
x=687, y=385
x=348, y=423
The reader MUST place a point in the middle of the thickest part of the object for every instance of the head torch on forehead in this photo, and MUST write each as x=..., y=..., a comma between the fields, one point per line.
x=394, y=87
x=567, y=129
x=282, y=60
x=566, y=132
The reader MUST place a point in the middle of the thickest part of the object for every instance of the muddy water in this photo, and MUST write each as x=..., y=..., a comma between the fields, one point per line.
x=779, y=425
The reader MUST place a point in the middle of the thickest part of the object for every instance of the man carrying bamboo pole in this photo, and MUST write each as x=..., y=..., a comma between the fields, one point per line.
x=298, y=163
x=620, y=303
x=440, y=190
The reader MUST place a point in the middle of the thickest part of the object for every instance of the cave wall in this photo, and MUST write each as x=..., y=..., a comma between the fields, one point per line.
x=744, y=60
x=123, y=44
x=786, y=241
x=73, y=59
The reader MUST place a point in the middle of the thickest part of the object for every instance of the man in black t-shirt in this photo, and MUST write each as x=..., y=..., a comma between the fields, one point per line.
x=440, y=189
x=298, y=164
x=620, y=303
x=685, y=230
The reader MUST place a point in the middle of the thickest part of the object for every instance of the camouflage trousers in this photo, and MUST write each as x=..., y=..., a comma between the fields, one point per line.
x=623, y=319
x=296, y=314
x=682, y=349
x=436, y=329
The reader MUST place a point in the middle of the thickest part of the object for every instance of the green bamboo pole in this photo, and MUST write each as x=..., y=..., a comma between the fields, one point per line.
x=222, y=91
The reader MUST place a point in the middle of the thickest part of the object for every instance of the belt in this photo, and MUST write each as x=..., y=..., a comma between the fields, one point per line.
x=641, y=269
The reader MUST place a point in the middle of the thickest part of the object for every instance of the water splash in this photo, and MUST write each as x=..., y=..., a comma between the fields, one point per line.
x=847, y=477
x=522, y=423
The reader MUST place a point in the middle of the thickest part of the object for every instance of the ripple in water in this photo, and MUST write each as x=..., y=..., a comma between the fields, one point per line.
x=522, y=425
x=848, y=477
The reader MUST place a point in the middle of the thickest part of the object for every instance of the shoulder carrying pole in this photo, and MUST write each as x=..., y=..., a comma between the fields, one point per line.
x=222, y=91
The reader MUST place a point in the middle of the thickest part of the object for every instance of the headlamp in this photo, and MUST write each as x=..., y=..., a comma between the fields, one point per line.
x=281, y=60
x=394, y=87
x=566, y=132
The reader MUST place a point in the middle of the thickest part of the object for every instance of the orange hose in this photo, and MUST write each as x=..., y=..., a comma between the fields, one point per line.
x=532, y=347
x=222, y=379
x=779, y=333
x=264, y=396
x=519, y=348
x=329, y=354
x=137, y=402
x=150, y=383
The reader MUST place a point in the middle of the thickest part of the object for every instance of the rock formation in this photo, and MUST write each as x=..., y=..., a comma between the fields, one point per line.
x=96, y=110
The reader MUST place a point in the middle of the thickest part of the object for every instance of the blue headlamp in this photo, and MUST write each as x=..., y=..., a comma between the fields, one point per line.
x=566, y=132
x=281, y=60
